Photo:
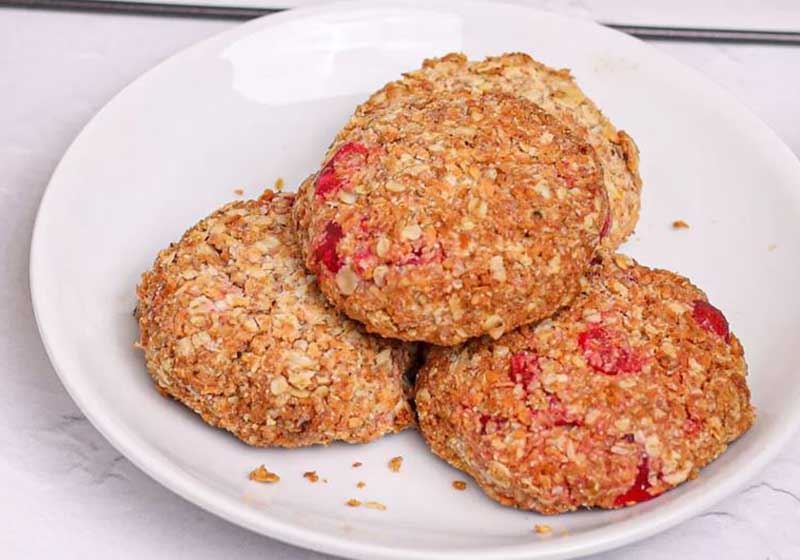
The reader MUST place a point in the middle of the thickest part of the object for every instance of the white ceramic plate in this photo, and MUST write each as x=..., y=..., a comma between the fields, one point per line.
x=263, y=100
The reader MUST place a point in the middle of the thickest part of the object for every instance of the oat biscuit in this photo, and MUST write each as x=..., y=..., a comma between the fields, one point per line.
x=557, y=93
x=620, y=397
x=236, y=329
x=452, y=215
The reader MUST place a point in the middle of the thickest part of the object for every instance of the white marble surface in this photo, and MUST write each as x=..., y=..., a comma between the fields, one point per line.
x=64, y=491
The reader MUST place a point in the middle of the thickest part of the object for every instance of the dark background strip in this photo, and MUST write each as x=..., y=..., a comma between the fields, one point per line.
x=242, y=13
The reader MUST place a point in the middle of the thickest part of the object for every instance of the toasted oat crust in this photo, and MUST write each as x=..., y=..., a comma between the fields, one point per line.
x=620, y=397
x=445, y=216
x=235, y=328
x=557, y=93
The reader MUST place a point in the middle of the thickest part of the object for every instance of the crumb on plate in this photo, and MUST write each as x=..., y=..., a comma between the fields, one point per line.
x=395, y=463
x=261, y=474
x=542, y=529
x=459, y=485
x=352, y=502
x=361, y=484
x=680, y=224
x=375, y=505
x=311, y=476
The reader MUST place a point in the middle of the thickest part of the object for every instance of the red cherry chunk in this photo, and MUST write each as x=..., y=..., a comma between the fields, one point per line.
x=711, y=319
x=334, y=175
x=524, y=367
x=325, y=251
x=423, y=255
x=559, y=415
x=608, y=352
x=495, y=422
x=638, y=491
x=566, y=173
x=606, y=225
x=363, y=259
x=691, y=427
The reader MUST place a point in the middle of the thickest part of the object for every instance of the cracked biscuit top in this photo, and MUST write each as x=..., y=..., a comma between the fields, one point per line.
x=451, y=215
x=233, y=326
x=616, y=399
x=556, y=92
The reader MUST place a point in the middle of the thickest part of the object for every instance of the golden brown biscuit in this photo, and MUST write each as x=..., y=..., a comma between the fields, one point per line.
x=556, y=92
x=235, y=328
x=452, y=215
x=620, y=397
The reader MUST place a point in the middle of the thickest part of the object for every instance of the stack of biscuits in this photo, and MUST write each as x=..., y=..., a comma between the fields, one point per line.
x=452, y=265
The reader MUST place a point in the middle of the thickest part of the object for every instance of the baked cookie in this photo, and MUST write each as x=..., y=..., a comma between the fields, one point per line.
x=556, y=92
x=234, y=327
x=620, y=397
x=451, y=215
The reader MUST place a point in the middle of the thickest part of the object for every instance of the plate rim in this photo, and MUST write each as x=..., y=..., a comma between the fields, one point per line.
x=172, y=477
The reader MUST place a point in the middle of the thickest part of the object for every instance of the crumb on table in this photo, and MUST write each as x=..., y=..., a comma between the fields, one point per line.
x=680, y=224
x=542, y=529
x=261, y=474
x=459, y=485
x=395, y=463
x=311, y=476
